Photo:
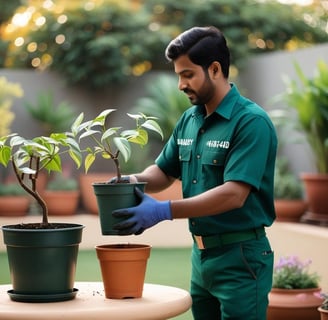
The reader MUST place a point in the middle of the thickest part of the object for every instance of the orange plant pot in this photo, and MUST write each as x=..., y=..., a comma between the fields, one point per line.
x=123, y=269
x=14, y=206
x=289, y=210
x=323, y=314
x=294, y=304
x=62, y=203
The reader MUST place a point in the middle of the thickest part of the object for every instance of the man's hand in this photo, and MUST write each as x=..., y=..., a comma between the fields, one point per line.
x=124, y=179
x=143, y=216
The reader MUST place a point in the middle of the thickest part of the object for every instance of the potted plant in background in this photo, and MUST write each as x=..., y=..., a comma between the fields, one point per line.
x=62, y=195
x=42, y=256
x=323, y=309
x=295, y=291
x=52, y=117
x=309, y=98
x=13, y=200
x=288, y=193
x=123, y=266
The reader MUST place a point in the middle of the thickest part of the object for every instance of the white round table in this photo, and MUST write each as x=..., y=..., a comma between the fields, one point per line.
x=157, y=302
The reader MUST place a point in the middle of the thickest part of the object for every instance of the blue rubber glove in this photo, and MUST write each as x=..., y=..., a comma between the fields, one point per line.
x=143, y=216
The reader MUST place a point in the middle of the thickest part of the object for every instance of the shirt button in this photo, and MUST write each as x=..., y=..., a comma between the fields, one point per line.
x=215, y=161
x=194, y=181
x=193, y=223
x=198, y=156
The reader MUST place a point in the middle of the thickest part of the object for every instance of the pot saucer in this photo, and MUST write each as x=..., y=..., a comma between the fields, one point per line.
x=42, y=297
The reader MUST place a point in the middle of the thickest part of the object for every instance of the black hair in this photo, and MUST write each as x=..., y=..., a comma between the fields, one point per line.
x=203, y=45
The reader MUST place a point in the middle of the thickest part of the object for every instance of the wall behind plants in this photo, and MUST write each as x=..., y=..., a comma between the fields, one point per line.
x=261, y=80
x=82, y=99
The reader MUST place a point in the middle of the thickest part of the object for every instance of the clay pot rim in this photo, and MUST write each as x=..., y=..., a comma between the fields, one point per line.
x=122, y=246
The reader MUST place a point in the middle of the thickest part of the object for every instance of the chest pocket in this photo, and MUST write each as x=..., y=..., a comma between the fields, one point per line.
x=213, y=168
x=185, y=159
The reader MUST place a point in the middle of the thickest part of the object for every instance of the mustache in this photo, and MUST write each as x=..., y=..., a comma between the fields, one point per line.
x=188, y=91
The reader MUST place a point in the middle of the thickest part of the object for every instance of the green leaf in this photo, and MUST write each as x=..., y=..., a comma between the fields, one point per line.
x=140, y=137
x=124, y=147
x=88, y=133
x=27, y=170
x=54, y=164
x=88, y=161
x=136, y=116
x=76, y=157
x=108, y=133
x=5, y=154
x=153, y=125
x=101, y=118
x=76, y=124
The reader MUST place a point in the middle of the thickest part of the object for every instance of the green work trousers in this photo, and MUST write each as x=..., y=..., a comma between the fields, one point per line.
x=232, y=281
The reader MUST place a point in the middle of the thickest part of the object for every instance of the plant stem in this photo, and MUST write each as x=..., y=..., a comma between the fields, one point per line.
x=32, y=189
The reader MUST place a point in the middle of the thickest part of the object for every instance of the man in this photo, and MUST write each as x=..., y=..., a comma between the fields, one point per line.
x=223, y=149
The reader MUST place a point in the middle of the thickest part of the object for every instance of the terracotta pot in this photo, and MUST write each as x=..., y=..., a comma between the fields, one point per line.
x=123, y=269
x=61, y=203
x=89, y=200
x=14, y=206
x=323, y=314
x=294, y=304
x=316, y=189
x=289, y=210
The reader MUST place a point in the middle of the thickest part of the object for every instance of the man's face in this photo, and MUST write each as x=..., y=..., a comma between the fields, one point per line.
x=193, y=81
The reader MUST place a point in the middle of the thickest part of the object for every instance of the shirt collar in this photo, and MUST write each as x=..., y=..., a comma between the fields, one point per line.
x=226, y=106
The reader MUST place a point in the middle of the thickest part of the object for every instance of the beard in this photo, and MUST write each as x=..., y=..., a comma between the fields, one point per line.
x=203, y=95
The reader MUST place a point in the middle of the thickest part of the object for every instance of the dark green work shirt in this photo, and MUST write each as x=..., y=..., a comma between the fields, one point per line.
x=237, y=142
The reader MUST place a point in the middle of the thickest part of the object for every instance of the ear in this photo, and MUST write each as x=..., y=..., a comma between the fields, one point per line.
x=215, y=69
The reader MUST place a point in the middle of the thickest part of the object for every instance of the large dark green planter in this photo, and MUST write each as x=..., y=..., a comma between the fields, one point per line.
x=111, y=197
x=42, y=262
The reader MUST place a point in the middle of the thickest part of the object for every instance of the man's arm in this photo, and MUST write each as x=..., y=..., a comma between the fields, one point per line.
x=231, y=195
x=156, y=179
x=149, y=212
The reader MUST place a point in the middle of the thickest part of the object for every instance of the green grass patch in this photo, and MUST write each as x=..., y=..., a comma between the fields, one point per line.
x=166, y=266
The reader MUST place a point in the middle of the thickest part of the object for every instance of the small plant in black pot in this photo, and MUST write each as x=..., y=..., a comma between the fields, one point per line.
x=112, y=143
x=42, y=256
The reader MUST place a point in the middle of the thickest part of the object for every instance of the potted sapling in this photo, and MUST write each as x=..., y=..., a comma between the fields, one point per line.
x=42, y=255
x=112, y=143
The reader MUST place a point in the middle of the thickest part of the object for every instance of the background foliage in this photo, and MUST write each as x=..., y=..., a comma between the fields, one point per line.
x=103, y=42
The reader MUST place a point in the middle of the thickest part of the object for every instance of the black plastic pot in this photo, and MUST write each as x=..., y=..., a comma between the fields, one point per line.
x=42, y=262
x=112, y=196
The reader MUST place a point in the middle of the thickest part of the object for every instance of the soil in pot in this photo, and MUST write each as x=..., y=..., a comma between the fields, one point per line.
x=42, y=261
x=123, y=269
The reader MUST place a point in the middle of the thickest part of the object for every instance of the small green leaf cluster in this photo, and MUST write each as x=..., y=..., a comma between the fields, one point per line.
x=112, y=142
x=43, y=152
x=291, y=273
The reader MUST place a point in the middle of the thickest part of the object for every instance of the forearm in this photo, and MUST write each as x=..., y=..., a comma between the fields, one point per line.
x=156, y=179
x=228, y=196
